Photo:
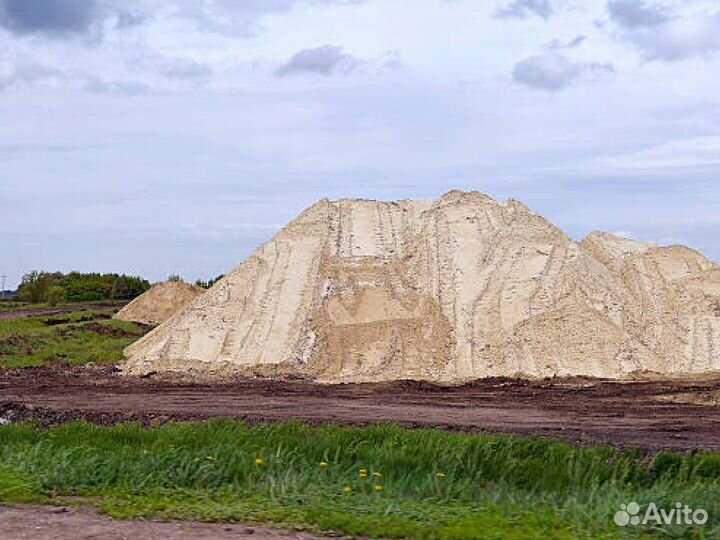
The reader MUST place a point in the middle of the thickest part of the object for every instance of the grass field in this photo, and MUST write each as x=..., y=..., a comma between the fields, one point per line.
x=420, y=483
x=77, y=338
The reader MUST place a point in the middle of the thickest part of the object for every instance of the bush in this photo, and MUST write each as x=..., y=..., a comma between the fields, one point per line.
x=35, y=285
x=210, y=283
x=56, y=295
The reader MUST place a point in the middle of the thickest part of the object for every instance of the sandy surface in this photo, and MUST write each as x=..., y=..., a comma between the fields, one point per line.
x=651, y=415
x=446, y=290
x=159, y=303
x=84, y=523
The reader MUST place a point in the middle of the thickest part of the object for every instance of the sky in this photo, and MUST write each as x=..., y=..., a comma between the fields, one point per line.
x=174, y=137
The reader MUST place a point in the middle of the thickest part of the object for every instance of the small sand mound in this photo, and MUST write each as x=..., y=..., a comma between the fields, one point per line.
x=447, y=290
x=158, y=304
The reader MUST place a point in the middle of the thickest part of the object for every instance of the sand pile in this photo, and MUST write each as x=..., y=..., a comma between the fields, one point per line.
x=446, y=290
x=159, y=303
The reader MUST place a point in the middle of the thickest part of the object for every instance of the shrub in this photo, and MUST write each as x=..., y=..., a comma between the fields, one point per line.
x=56, y=295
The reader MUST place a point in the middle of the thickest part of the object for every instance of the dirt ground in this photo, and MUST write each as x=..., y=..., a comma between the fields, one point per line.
x=83, y=523
x=651, y=415
x=24, y=313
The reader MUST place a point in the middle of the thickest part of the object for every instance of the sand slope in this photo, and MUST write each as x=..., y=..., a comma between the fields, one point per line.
x=159, y=303
x=447, y=290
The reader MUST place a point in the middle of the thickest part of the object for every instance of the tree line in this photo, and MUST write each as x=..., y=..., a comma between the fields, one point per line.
x=56, y=287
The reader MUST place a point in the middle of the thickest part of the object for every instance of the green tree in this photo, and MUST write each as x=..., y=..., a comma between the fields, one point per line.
x=35, y=285
x=210, y=283
x=56, y=295
x=174, y=278
x=128, y=287
x=81, y=287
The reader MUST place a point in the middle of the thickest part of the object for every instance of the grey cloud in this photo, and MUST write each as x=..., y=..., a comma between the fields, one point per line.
x=525, y=8
x=323, y=60
x=177, y=68
x=96, y=85
x=553, y=71
x=636, y=13
x=600, y=69
x=26, y=71
x=186, y=69
x=48, y=16
x=556, y=44
x=549, y=71
x=240, y=17
x=679, y=39
x=390, y=60
x=129, y=19
x=660, y=35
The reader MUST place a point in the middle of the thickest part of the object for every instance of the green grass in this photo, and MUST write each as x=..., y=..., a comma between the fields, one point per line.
x=31, y=342
x=493, y=486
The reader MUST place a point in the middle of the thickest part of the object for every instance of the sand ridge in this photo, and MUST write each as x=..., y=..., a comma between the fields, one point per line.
x=159, y=303
x=446, y=290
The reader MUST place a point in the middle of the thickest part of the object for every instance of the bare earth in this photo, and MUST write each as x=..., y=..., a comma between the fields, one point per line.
x=651, y=415
x=25, y=313
x=83, y=523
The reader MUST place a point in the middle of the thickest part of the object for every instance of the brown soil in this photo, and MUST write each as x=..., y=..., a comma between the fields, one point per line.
x=83, y=523
x=647, y=414
x=97, y=328
x=23, y=313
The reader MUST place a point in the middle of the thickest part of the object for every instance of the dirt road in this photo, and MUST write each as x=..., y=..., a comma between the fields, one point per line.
x=652, y=415
x=83, y=523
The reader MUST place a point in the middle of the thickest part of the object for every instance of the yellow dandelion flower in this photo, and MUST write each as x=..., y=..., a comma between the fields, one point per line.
x=324, y=463
x=347, y=489
x=363, y=471
x=378, y=488
x=362, y=475
x=210, y=458
x=440, y=475
x=259, y=461
x=196, y=460
x=377, y=474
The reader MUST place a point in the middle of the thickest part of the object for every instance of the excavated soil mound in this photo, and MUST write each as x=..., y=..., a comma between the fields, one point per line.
x=158, y=304
x=447, y=290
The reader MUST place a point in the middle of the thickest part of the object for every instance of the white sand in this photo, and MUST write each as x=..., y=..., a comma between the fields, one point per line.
x=446, y=290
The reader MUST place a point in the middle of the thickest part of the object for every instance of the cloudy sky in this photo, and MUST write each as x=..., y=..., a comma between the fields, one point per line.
x=174, y=136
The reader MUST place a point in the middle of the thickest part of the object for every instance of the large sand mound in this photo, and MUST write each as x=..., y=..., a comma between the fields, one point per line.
x=446, y=290
x=159, y=303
